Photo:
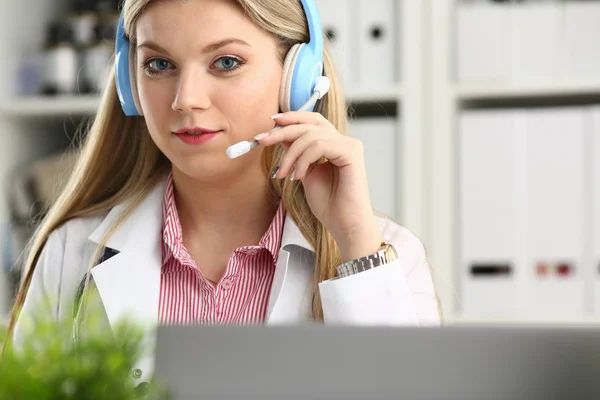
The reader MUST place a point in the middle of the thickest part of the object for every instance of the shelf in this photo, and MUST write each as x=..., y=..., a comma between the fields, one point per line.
x=49, y=106
x=527, y=89
x=394, y=94
x=521, y=321
x=60, y=106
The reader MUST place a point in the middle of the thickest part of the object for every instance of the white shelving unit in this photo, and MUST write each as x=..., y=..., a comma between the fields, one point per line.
x=447, y=99
x=22, y=31
x=24, y=120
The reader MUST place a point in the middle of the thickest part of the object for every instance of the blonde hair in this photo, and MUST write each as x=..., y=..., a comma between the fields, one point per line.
x=119, y=161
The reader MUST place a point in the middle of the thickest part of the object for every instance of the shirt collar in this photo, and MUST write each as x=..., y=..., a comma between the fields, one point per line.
x=271, y=240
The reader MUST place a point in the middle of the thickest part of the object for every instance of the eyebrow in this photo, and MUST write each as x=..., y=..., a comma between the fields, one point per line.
x=207, y=49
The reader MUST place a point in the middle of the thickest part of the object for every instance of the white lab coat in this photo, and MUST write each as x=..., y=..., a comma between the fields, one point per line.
x=400, y=293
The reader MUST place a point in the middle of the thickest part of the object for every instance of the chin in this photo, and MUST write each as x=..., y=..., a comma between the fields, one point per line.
x=199, y=171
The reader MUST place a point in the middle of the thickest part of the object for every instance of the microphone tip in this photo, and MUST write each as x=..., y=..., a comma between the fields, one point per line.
x=238, y=149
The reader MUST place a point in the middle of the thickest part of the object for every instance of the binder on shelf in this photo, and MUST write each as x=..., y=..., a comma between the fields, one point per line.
x=556, y=188
x=581, y=37
x=379, y=136
x=536, y=37
x=483, y=42
x=378, y=65
x=339, y=26
x=595, y=206
x=488, y=198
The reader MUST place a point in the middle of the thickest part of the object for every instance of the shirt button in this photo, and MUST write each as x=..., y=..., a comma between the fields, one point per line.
x=137, y=373
x=226, y=284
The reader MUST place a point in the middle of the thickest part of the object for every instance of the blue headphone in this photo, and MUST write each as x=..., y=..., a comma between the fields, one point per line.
x=303, y=65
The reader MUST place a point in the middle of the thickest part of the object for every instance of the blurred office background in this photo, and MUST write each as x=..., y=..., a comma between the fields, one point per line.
x=480, y=118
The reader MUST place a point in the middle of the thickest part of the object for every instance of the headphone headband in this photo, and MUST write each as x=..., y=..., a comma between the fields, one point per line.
x=315, y=30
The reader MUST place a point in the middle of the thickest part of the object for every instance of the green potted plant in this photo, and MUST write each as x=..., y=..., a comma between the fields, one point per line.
x=48, y=366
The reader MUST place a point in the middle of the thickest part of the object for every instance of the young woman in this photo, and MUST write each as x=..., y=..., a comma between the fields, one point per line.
x=166, y=228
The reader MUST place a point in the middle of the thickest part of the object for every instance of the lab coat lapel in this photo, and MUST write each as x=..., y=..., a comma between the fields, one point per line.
x=129, y=282
x=290, y=297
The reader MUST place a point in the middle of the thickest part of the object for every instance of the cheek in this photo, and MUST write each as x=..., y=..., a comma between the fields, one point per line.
x=155, y=96
x=253, y=102
x=156, y=101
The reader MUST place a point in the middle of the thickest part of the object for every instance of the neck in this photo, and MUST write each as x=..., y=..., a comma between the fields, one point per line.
x=243, y=205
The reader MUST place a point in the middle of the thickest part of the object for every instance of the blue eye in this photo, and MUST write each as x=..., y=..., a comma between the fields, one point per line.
x=159, y=64
x=228, y=63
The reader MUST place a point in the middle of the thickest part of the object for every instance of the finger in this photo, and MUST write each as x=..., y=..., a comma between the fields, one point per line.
x=334, y=151
x=297, y=148
x=300, y=117
x=283, y=134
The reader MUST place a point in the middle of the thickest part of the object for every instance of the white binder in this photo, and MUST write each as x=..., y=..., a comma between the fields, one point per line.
x=556, y=217
x=595, y=206
x=379, y=136
x=339, y=25
x=582, y=35
x=483, y=38
x=378, y=55
x=522, y=188
x=536, y=38
x=488, y=202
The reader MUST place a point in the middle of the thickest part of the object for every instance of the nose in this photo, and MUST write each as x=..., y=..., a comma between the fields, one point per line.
x=192, y=92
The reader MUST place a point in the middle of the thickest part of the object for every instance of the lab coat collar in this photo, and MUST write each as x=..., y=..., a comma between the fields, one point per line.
x=292, y=236
x=135, y=231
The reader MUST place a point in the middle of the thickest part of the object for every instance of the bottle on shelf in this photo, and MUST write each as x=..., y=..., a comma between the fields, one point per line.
x=60, y=60
x=99, y=54
x=83, y=19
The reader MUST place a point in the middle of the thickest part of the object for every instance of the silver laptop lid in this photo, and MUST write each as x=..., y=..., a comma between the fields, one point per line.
x=320, y=362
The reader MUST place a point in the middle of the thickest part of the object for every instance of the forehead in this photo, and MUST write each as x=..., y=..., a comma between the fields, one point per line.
x=195, y=21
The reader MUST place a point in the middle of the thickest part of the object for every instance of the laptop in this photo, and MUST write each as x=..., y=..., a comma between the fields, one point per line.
x=328, y=362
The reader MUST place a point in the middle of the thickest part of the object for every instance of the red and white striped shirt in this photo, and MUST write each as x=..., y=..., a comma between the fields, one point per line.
x=242, y=294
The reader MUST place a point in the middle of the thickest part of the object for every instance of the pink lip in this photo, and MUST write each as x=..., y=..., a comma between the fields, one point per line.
x=195, y=129
x=196, y=139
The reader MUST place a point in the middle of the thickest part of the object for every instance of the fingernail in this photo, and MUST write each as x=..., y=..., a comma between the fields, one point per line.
x=275, y=171
x=262, y=135
x=292, y=176
x=277, y=116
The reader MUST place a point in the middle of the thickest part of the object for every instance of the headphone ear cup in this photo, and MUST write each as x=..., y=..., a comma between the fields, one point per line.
x=285, y=92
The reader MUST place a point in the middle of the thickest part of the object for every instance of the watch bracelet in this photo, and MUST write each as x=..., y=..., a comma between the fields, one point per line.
x=361, y=264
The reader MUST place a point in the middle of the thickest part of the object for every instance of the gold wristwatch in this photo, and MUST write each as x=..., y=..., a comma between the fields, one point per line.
x=386, y=254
